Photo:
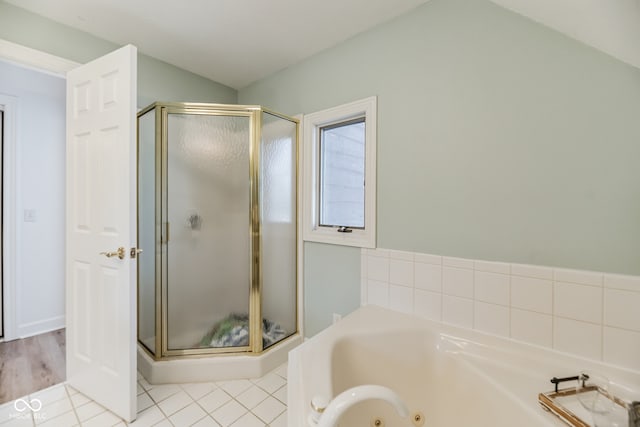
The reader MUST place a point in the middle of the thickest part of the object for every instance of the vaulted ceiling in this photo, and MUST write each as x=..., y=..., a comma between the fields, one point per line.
x=236, y=42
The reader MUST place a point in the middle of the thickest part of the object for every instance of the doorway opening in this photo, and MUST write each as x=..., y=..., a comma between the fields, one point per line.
x=32, y=223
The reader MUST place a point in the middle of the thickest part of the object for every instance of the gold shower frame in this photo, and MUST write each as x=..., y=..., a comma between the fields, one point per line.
x=254, y=113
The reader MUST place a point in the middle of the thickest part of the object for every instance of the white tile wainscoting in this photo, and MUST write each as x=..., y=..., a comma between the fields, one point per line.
x=590, y=314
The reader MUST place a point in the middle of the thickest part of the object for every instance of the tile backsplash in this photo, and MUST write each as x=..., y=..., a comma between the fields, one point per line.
x=591, y=314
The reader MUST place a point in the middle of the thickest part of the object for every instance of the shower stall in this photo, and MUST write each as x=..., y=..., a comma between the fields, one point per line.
x=217, y=218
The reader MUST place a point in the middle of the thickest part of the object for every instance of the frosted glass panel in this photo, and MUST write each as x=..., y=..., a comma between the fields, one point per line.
x=208, y=208
x=146, y=231
x=195, y=225
x=278, y=227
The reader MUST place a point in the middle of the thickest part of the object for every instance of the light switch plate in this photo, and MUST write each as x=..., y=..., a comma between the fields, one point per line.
x=30, y=215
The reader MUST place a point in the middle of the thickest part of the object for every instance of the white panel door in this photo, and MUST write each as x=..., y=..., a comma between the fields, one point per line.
x=101, y=208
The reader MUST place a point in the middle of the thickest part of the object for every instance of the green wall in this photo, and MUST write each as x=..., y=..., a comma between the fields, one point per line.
x=329, y=288
x=157, y=80
x=498, y=139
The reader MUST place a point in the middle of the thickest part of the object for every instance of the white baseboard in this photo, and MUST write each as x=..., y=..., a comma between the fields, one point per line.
x=41, y=326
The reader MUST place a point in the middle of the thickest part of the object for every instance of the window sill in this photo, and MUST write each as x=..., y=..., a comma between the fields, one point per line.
x=357, y=238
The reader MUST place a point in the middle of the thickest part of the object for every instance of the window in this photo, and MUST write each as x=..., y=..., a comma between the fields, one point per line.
x=339, y=174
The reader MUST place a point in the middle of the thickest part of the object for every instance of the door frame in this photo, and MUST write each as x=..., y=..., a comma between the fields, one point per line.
x=10, y=231
x=12, y=228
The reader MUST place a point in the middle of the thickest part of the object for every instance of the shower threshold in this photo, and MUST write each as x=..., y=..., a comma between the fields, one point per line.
x=217, y=367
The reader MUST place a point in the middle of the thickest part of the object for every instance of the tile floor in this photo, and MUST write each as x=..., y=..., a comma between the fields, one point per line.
x=240, y=403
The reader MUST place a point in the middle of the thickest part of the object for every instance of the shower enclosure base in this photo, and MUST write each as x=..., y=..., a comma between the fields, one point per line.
x=215, y=368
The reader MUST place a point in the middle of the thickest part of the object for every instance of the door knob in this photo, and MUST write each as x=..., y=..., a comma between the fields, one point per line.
x=134, y=252
x=120, y=253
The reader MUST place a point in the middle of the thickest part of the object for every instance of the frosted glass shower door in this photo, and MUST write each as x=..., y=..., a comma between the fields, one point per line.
x=278, y=190
x=207, y=208
x=148, y=207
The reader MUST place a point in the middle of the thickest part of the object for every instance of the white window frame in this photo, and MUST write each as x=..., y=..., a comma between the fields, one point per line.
x=312, y=231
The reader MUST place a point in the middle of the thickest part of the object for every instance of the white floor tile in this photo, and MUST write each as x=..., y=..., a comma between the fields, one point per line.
x=188, y=416
x=68, y=419
x=51, y=394
x=144, y=402
x=18, y=421
x=149, y=417
x=105, y=419
x=281, y=370
x=269, y=409
x=281, y=421
x=174, y=403
x=70, y=390
x=165, y=405
x=79, y=399
x=271, y=382
x=198, y=390
x=52, y=410
x=281, y=394
x=145, y=384
x=89, y=410
x=214, y=400
x=206, y=422
x=160, y=392
x=228, y=413
x=235, y=387
x=8, y=412
x=248, y=420
x=252, y=396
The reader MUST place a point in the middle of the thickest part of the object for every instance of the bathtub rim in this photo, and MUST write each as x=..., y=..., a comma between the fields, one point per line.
x=362, y=320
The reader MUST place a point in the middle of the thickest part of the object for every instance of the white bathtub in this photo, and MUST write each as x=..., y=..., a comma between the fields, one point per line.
x=454, y=377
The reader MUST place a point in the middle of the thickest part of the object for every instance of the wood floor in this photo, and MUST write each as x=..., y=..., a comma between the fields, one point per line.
x=31, y=364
